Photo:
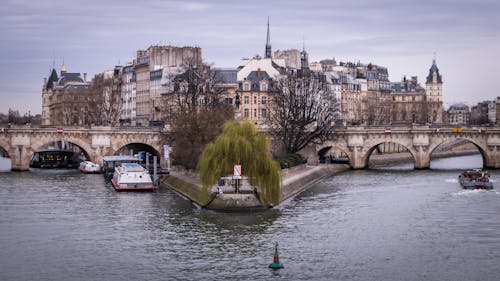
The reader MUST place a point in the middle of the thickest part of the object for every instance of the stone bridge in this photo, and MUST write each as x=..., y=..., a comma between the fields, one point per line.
x=359, y=142
x=21, y=142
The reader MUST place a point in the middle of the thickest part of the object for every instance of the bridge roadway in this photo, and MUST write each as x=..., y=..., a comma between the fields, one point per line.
x=356, y=142
x=21, y=142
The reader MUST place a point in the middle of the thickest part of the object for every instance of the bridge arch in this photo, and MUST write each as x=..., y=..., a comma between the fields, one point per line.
x=333, y=154
x=85, y=148
x=5, y=160
x=5, y=146
x=137, y=147
x=373, y=146
x=480, y=147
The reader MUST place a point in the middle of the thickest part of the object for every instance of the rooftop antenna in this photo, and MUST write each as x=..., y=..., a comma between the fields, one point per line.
x=53, y=59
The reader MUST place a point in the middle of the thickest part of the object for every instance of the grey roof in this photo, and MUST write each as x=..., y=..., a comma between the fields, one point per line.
x=70, y=77
x=406, y=87
x=226, y=75
x=52, y=79
x=459, y=106
x=432, y=70
x=77, y=88
x=255, y=79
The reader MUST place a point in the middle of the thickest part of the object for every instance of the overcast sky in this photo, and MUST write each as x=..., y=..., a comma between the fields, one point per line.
x=94, y=35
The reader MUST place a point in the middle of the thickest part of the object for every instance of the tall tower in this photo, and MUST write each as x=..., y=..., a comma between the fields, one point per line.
x=304, y=57
x=434, y=93
x=268, y=42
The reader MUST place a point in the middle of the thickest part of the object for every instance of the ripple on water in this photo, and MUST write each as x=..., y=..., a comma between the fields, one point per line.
x=358, y=225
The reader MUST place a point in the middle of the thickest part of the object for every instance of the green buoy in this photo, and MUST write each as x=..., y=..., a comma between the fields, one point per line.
x=276, y=261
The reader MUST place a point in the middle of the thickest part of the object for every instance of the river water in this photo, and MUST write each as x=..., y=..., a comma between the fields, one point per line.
x=384, y=224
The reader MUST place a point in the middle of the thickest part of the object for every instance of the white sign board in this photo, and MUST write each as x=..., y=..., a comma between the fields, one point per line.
x=166, y=151
x=237, y=171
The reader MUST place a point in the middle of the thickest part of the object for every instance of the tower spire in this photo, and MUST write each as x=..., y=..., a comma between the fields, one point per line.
x=268, y=42
x=304, y=57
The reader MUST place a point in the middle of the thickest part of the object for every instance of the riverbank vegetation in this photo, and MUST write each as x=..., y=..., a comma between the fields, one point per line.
x=240, y=143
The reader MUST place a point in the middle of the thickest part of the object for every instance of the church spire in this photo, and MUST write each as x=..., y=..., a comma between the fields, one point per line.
x=304, y=57
x=268, y=42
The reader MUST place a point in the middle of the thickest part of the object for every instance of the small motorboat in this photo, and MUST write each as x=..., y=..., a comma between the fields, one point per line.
x=88, y=167
x=132, y=177
x=475, y=179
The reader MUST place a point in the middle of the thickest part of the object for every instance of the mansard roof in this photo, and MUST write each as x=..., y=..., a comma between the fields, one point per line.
x=77, y=88
x=432, y=70
x=459, y=106
x=226, y=75
x=70, y=77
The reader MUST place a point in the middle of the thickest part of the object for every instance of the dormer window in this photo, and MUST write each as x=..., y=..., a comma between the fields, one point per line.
x=246, y=87
x=263, y=87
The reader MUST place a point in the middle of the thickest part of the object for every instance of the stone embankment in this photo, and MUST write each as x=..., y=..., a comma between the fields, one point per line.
x=294, y=181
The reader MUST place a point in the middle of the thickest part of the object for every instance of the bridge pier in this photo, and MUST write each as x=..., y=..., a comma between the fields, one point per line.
x=422, y=158
x=357, y=161
x=491, y=160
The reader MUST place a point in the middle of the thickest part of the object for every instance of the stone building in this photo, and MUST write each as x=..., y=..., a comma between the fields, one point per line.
x=409, y=103
x=434, y=93
x=290, y=57
x=255, y=82
x=458, y=114
x=129, y=95
x=153, y=68
x=65, y=99
x=482, y=113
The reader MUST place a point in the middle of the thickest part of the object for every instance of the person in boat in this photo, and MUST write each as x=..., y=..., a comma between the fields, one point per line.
x=219, y=190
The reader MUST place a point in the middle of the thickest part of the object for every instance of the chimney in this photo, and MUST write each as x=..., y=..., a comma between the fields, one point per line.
x=258, y=73
x=85, y=77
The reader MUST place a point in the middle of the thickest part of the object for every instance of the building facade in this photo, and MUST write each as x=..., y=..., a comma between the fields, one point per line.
x=65, y=99
x=154, y=68
x=458, y=114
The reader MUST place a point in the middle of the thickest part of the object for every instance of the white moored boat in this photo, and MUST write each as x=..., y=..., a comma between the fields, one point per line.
x=88, y=167
x=131, y=177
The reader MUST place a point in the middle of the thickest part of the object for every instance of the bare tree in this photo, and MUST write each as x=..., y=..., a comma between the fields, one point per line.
x=105, y=100
x=199, y=113
x=302, y=110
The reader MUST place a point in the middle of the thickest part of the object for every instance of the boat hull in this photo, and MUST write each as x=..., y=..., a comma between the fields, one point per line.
x=477, y=185
x=126, y=187
x=475, y=179
x=89, y=171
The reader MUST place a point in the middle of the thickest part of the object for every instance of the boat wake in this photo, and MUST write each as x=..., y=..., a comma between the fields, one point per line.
x=474, y=192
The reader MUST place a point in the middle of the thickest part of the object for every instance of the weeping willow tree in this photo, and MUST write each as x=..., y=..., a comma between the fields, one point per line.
x=240, y=143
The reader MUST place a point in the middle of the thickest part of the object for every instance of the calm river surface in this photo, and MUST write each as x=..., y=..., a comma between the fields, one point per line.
x=386, y=224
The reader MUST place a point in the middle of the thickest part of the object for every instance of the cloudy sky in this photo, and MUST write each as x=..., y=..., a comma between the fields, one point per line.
x=94, y=35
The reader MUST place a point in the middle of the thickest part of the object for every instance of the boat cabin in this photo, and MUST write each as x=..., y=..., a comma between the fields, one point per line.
x=109, y=163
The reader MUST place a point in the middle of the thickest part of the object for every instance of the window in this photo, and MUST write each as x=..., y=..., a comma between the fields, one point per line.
x=245, y=100
x=263, y=87
x=255, y=112
x=413, y=98
x=246, y=87
x=264, y=100
x=254, y=99
x=264, y=113
x=247, y=114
